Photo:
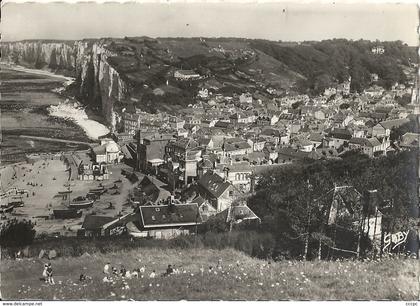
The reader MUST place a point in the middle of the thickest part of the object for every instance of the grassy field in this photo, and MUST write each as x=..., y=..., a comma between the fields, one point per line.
x=240, y=278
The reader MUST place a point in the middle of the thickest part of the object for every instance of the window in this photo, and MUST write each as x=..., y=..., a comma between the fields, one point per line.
x=157, y=209
x=231, y=193
x=153, y=218
x=163, y=217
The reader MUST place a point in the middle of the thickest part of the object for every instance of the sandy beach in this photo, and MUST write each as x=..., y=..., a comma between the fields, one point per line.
x=44, y=178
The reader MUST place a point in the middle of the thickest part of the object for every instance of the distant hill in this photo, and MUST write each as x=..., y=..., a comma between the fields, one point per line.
x=112, y=72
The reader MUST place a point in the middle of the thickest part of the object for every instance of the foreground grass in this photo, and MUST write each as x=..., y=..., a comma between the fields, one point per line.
x=251, y=279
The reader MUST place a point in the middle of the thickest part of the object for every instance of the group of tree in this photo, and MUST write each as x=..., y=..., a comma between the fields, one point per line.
x=329, y=62
x=16, y=233
x=293, y=201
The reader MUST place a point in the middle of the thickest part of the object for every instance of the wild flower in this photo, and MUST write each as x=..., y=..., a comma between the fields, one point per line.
x=260, y=284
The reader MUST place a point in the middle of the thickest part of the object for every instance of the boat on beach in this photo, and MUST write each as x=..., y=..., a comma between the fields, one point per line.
x=67, y=213
x=7, y=209
x=100, y=190
x=80, y=204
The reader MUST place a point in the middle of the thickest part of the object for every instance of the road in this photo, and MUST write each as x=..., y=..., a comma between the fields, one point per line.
x=59, y=140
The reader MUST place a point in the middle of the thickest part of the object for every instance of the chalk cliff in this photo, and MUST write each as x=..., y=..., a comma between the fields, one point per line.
x=97, y=84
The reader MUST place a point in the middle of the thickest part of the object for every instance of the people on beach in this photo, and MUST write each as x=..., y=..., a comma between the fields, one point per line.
x=153, y=274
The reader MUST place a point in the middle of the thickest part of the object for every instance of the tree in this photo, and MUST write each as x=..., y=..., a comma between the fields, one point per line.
x=17, y=233
x=296, y=215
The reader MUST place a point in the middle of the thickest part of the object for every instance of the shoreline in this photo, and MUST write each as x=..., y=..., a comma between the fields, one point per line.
x=73, y=110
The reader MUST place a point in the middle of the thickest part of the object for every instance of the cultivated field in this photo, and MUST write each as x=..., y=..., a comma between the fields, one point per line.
x=240, y=277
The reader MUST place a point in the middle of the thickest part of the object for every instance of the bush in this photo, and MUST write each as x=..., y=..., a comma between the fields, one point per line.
x=17, y=233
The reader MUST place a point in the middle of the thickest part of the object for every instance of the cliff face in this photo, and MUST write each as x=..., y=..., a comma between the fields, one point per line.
x=98, y=84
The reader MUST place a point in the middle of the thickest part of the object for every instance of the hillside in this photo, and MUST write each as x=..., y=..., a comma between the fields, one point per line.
x=240, y=278
x=112, y=73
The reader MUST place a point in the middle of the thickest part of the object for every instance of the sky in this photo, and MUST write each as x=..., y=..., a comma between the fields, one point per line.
x=274, y=21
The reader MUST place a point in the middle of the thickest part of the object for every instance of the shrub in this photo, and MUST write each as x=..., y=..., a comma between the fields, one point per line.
x=17, y=233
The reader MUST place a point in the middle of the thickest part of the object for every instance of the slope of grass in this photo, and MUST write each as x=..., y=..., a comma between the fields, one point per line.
x=241, y=277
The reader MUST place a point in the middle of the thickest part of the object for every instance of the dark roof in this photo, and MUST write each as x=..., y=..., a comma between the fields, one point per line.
x=239, y=213
x=223, y=124
x=213, y=184
x=93, y=222
x=270, y=132
x=156, y=216
x=236, y=146
x=389, y=124
x=341, y=134
x=367, y=142
x=292, y=153
x=186, y=143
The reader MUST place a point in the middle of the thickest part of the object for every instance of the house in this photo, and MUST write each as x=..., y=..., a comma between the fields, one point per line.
x=97, y=226
x=182, y=156
x=410, y=140
x=367, y=146
x=238, y=118
x=108, y=152
x=383, y=129
x=92, y=225
x=235, y=146
x=152, y=151
x=303, y=144
x=337, y=138
x=245, y=98
x=186, y=75
x=218, y=191
x=316, y=139
x=350, y=209
x=270, y=152
x=176, y=123
x=86, y=170
x=205, y=208
x=131, y=122
x=319, y=114
x=323, y=153
x=271, y=135
x=122, y=137
x=289, y=155
x=238, y=174
x=166, y=221
x=257, y=144
x=237, y=215
x=223, y=125
x=377, y=50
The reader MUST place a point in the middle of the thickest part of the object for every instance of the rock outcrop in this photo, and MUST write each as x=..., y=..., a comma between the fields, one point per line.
x=98, y=84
